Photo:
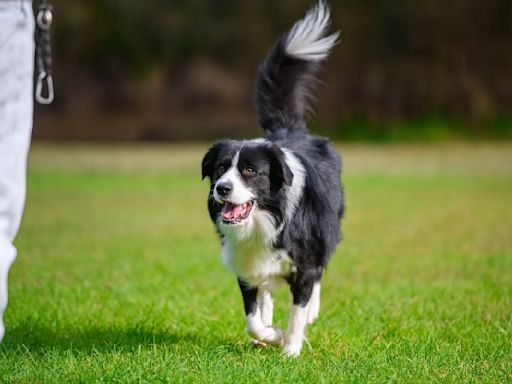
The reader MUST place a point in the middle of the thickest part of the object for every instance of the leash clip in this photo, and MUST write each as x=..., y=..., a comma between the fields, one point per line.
x=39, y=88
x=44, y=18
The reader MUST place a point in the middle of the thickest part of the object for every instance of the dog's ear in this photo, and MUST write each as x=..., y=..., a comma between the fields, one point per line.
x=211, y=157
x=280, y=172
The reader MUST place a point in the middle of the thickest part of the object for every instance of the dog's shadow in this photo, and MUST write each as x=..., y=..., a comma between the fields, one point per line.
x=40, y=339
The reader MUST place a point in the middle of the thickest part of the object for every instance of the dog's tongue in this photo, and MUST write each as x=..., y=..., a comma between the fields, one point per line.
x=233, y=211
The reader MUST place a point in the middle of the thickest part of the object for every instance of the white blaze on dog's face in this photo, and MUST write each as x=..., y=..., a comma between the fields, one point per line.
x=232, y=189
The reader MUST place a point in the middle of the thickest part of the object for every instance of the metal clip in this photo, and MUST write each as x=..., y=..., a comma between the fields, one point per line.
x=44, y=18
x=39, y=88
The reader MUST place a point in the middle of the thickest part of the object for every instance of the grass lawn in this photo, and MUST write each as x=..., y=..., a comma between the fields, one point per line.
x=119, y=278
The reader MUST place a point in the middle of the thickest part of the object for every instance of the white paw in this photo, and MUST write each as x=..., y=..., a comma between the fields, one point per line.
x=292, y=344
x=257, y=343
x=268, y=335
x=292, y=349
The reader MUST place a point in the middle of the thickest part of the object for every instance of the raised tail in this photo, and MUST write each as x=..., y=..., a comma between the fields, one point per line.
x=285, y=80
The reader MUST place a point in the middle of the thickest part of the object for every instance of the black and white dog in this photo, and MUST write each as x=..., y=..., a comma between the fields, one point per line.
x=277, y=201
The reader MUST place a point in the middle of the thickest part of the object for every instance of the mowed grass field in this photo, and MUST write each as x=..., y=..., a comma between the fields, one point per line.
x=119, y=278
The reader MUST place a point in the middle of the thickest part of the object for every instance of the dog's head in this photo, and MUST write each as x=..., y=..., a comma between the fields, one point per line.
x=249, y=181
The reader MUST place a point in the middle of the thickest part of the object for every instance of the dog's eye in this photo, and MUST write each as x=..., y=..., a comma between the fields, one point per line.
x=249, y=171
x=221, y=169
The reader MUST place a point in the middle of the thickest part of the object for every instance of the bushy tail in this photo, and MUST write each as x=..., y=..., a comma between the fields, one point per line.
x=285, y=80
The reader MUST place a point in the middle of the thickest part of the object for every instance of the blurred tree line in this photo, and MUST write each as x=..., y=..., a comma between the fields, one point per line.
x=160, y=69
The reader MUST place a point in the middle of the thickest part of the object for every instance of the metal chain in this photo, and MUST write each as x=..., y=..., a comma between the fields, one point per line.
x=44, y=18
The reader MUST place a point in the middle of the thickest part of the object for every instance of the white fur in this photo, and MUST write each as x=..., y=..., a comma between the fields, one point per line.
x=259, y=140
x=294, y=192
x=262, y=333
x=255, y=262
x=240, y=193
x=294, y=336
x=259, y=226
x=305, y=40
x=266, y=305
x=314, y=304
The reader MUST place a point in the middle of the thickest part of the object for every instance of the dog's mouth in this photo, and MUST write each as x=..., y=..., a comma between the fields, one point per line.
x=236, y=213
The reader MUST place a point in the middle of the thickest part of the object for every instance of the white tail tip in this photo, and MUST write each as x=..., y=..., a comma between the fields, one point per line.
x=306, y=40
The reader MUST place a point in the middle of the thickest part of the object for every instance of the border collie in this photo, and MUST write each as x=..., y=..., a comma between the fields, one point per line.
x=277, y=201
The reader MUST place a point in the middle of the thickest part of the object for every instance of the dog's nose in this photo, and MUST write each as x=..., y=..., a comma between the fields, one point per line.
x=224, y=188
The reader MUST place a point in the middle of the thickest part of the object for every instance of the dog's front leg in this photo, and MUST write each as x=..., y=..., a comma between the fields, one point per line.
x=302, y=290
x=255, y=326
x=314, y=304
x=266, y=305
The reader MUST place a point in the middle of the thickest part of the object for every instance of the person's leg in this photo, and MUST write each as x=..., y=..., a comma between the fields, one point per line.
x=16, y=109
x=8, y=254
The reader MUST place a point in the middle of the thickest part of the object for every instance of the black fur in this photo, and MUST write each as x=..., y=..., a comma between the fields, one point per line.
x=283, y=87
x=314, y=231
x=249, y=295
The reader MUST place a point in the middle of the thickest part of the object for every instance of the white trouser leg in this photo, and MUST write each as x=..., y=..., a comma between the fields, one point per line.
x=16, y=109
x=8, y=253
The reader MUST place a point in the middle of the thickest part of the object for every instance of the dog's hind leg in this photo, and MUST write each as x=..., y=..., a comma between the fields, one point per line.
x=266, y=305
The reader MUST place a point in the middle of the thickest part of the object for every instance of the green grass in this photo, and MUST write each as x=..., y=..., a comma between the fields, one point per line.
x=119, y=279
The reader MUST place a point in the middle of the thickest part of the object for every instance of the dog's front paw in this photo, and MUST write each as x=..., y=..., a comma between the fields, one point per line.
x=273, y=336
x=268, y=335
x=291, y=349
x=292, y=344
x=258, y=344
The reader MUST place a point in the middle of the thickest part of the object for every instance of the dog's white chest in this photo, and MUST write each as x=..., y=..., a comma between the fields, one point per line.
x=255, y=263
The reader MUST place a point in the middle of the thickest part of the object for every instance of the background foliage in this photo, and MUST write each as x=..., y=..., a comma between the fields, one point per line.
x=156, y=69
